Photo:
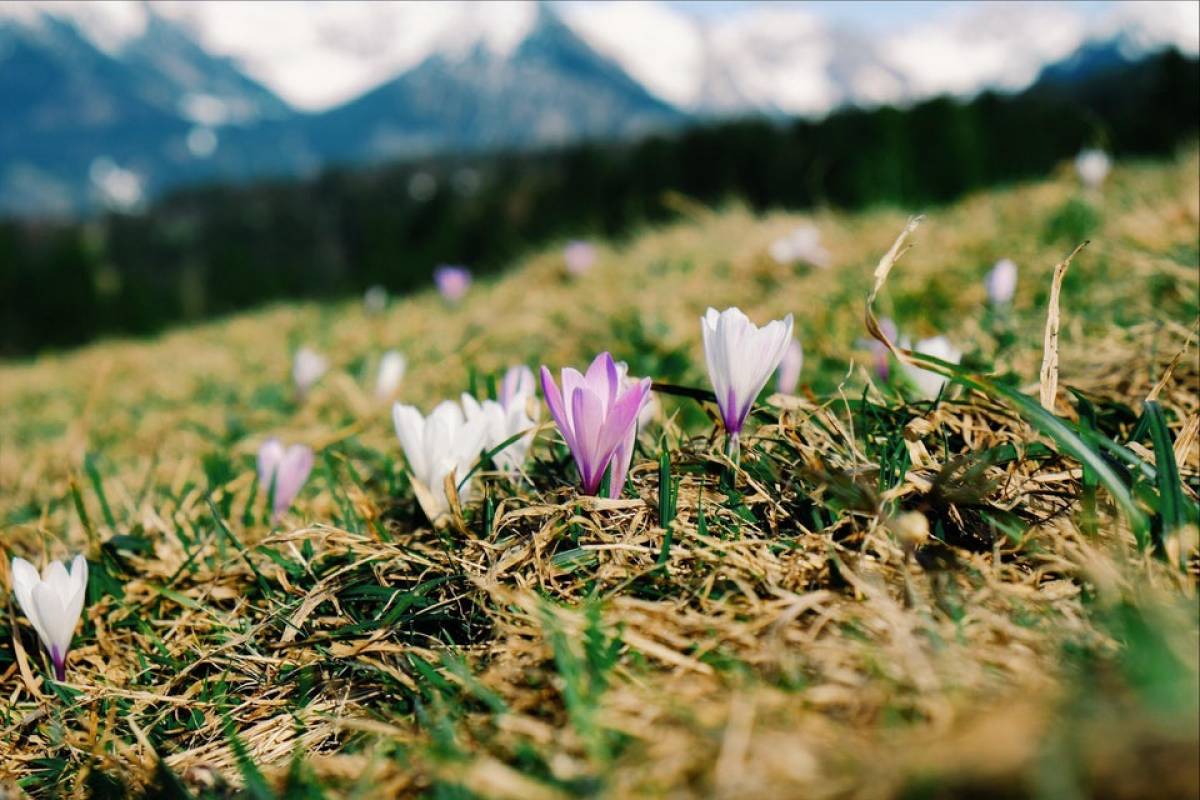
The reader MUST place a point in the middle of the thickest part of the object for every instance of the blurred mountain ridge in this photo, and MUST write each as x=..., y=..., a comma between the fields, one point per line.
x=108, y=104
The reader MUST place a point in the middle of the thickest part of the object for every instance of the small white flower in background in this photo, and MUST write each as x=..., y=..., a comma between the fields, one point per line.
x=1001, y=282
x=789, y=368
x=283, y=470
x=517, y=386
x=579, y=256
x=931, y=383
x=801, y=245
x=307, y=368
x=391, y=371
x=375, y=300
x=501, y=423
x=436, y=445
x=52, y=602
x=741, y=358
x=1092, y=166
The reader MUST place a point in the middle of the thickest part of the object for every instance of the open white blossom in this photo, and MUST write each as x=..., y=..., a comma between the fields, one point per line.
x=436, y=445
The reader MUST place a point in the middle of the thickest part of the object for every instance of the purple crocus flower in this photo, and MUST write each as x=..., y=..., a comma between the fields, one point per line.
x=452, y=282
x=286, y=468
x=595, y=413
x=880, y=363
x=579, y=256
x=789, y=369
x=741, y=357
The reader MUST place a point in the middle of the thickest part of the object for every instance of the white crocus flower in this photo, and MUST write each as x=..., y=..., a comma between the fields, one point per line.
x=741, y=358
x=307, y=368
x=375, y=300
x=1092, y=166
x=931, y=383
x=501, y=423
x=391, y=371
x=1001, y=282
x=801, y=245
x=52, y=602
x=436, y=445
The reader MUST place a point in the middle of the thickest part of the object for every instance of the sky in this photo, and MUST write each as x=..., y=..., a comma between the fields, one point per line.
x=871, y=14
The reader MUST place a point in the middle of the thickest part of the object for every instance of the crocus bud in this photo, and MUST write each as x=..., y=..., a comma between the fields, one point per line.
x=1001, y=282
x=931, y=383
x=452, y=282
x=801, y=245
x=283, y=471
x=517, y=386
x=579, y=256
x=1092, y=166
x=741, y=357
x=52, y=602
x=375, y=300
x=307, y=368
x=788, y=376
x=391, y=371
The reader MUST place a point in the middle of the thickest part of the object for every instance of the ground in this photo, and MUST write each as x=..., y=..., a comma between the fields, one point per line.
x=780, y=627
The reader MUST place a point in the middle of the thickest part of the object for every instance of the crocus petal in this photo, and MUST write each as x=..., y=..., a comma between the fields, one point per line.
x=25, y=578
x=790, y=368
x=588, y=413
x=410, y=429
x=270, y=456
x=291, y=475
x=53, y=614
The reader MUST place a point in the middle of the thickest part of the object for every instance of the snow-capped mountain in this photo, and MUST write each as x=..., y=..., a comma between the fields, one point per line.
x=109, y=102
x=789, y=59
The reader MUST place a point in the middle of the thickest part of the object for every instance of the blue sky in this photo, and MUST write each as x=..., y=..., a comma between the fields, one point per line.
x=864, y=13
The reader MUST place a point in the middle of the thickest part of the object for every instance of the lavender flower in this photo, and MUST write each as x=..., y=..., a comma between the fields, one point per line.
x=595, y=414
x=880, y=355
x=1001, y=282
x=579, y=256
x=789, y=369
x=52, y=602
x=517, y=386
x=452, y=282
x=283, y=471
x=741, y=357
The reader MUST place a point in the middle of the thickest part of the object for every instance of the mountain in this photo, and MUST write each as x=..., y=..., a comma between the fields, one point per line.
x=110, y=103
x=95, y=120
x=545, y=88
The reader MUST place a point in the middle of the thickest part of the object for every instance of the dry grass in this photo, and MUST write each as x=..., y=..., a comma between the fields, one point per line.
x=794, y=635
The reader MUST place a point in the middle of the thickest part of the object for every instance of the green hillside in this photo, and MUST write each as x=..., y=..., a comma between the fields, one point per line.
x=772, y=628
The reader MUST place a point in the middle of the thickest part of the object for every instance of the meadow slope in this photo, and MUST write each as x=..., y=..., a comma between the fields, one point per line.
x=770, y=629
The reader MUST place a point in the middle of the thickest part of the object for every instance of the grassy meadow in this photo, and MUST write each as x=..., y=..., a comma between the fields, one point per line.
x=772, y=628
